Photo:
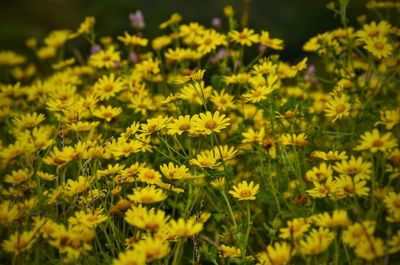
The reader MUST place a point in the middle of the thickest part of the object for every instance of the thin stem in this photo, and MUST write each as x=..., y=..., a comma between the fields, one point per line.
x=230, y=209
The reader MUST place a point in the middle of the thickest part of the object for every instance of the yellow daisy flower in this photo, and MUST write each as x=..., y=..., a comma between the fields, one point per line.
x=107, y=113
x=182, y=228
x=208, y=123
x=245, y=191
x=246, y=37
x=378, y=47
x=105, y=58
x=374, y=141
x=337, y=107
x=149, y=194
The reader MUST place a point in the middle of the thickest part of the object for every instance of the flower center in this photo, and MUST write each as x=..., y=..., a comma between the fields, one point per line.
x=211, y=124
x=184, y=127
x=377, y=143
x=379, y=45
x=340, y=108
x=245, y=193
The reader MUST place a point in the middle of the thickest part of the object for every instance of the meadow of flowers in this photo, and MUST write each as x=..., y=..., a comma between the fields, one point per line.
x=187, y=149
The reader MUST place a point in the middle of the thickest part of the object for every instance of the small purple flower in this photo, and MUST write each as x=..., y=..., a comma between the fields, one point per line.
x=216, y=22
x=311, y=69
x=133, y=58
x=95, y=49
x=222, y=54
x=237, y=64
x=117, y=64
x=137, y=20
x=261, y=48
x=310, y=75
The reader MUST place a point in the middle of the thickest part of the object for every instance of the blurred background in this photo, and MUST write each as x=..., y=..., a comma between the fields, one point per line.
x=293, y=21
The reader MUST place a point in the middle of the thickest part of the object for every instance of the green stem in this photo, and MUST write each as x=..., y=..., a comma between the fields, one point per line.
x=178, y=252
x=230, y=209
x=247, y=230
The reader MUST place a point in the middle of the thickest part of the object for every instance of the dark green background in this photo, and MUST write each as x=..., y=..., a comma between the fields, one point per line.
x=295, y=21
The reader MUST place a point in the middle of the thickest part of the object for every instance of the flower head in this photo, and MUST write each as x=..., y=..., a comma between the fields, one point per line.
x=245, y=191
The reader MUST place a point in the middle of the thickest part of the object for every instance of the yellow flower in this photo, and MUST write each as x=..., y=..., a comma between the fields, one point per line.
x=295, y=229
x=107, y=86
x=276, y=254
x=394, y=243
x=57, y=38
x=83, y=126
x=19, y=242
x=223, y=101
x=208, y=123
x=294, y=139
x=374, y=142
x=195, y=93
x=182, y=228
x=153, y=248
x=61, y=64
x=11, y=58
x=17, y=177
x=75, y=187
x=345, y=186
x=150, y=220
x=240, y=78
x=205, y=159
x=8, y=212
x=265, y=40
x=331, y=155
x=86, y=26
x=373, y=30
x=46, y=52
x=245, y=191
x=160, y=42
x=261, y=88
x=181, y=54
x=228, y=11
x=218, y=183
x=87, y=219
x=107, y=113
x=149, y=194
x=229, y=251
x=370, y=249
x=174, y=19
x=392, y=203
x=125, y=148
x=245, y=38
x=131, y=130
x=182, y=124
x=337, y=107
x=317, y=241
x=173, y=172
x=355, y=168
x=251, y=136
x=317, y=174
x=338, y=218
x=28, y=121
x=390, y=118
x=149, y=175
x=105, y=58
x=60, y=158
x=132, y=40
x=155, y=124
x=131, y=257
x=209, y=40
x=358, y=232
x=225, y=152
x=378, y=47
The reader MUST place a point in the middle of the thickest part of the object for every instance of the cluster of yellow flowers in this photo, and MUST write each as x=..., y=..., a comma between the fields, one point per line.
x=182, y=150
